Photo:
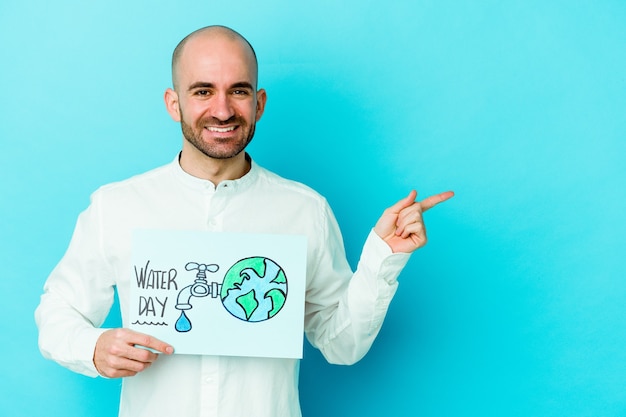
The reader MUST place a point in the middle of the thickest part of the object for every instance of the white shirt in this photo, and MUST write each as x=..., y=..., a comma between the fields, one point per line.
x=343, y=311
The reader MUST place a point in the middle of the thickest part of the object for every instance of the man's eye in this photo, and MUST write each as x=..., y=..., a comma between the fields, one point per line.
x=202, y=93
x=240, y=92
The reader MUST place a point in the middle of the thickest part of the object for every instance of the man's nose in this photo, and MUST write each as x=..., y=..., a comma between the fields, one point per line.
x=222, y=107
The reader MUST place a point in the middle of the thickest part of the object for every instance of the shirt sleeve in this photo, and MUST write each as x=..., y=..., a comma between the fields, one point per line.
x=77, y=298
x=345, y=310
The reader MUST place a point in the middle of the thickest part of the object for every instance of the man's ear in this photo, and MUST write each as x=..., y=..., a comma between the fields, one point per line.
x=171, y=104
x=261, y=99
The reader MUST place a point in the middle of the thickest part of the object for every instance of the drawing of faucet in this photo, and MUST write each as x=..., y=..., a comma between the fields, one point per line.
x=199, y=288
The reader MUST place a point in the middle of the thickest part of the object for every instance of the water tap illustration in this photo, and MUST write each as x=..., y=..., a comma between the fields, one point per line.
x=199, y=288
x=253, y=289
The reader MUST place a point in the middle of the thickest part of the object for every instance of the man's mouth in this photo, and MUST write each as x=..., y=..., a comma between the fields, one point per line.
x=220, y=129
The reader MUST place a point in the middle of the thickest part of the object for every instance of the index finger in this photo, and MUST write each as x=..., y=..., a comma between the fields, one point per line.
x=432, y=201
x=150, y=343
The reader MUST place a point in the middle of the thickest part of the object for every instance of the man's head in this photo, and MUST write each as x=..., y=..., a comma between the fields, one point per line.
x=214, y=74
x=208, y=30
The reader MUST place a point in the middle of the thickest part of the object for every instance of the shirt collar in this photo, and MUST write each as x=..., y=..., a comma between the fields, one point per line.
x=206, y=185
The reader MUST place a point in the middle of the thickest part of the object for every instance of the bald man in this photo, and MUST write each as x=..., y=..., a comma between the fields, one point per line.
x=211, y=185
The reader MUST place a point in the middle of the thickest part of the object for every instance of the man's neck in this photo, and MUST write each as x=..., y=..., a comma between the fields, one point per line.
x=214, y=170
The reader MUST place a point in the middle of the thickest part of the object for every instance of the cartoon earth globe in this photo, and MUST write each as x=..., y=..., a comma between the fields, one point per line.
x=254, y=289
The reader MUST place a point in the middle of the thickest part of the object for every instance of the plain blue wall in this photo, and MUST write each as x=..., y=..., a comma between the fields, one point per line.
x=518, y=305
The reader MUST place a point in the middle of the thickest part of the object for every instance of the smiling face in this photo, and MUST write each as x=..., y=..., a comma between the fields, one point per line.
x=215, y=97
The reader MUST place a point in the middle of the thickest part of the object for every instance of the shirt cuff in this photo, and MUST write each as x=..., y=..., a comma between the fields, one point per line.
x=377, y=255
x=84, y=347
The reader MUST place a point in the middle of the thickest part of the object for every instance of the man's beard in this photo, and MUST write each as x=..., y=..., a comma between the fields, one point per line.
x=218, y=151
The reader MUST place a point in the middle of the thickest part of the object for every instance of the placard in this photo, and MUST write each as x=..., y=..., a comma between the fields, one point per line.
x=210, y=293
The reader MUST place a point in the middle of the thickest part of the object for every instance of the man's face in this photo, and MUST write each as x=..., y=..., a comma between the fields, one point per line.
x=218, y=105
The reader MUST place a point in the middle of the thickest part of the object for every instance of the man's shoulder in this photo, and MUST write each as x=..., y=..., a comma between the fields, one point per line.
x=288, y=187
x=148, y=179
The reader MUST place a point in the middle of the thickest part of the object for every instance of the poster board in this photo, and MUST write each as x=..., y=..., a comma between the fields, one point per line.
x=211, y=293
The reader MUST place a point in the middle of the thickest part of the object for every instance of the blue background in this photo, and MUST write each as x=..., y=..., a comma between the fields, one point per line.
x=517, y=307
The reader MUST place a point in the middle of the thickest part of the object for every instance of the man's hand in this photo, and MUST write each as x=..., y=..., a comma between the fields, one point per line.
x=402, y=225
x=116, y=355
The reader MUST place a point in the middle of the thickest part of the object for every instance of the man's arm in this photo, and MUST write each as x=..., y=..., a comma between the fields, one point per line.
x=345, y=310
x=77, y=297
